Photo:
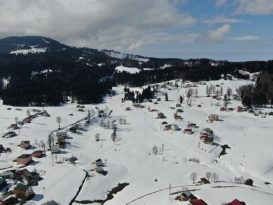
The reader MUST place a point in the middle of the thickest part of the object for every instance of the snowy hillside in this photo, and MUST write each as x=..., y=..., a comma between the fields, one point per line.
x=123, y=153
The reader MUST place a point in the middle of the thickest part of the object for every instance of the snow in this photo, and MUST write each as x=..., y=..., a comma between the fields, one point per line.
x=119, y=55
x=31, y=50
x=165, y=66
x=130, y=158
x=131, y=70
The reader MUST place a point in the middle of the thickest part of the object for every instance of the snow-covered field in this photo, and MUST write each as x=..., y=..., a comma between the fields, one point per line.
x=131, y=160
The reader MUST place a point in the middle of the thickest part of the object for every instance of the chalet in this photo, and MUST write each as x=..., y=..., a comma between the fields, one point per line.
x=61, y=139
x=38, y=154
x=185, y=196
x=26, y=120
x=44, y=113
x=128, y=109
x=24, y=159
x=160, y=115
x=204, y=181
x=236, y=202
x=167, y=127
x=29, y=178
x=55, y=149
x=23, y=191
x=197, y=202
x=3, y=183
x=188, y=131
x=25, y=144
x=13, y=126
x=9, y=134
x=240, y=109
x=100, y=170
x=177, y=117
x=222, y=109
x=207, y=135
x=213, y=117
x=179, y=110
x=192, y=125
x=98, y=163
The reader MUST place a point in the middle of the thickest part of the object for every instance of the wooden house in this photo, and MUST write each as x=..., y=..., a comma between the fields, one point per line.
x=177, y=117
x=160, y=115
x=185, y=196
x=207, y=135
x=9, y=134
x=13, y=126
x=204, y=181
x=24, y=159
x=38, y=154
x=25, y=144
x=167, y=127
x=213, y=117
x=188, y=131
x=23, y=191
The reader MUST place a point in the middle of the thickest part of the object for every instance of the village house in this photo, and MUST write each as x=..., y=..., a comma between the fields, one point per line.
x=38, y=154
x=23, y=191
x=61, y=139
x=207, y=135
x=25, y=144
x=160, y=115
x=177, y=117
x=213, y=117
x=188, y=131
x=204, y=181
x=24, y=159
x=27, y=177
x=167, y=127
x=185, y=196
x=192, y=125
x=9, y=134
x=197, y=202
x=13, y=126
x=236, y=202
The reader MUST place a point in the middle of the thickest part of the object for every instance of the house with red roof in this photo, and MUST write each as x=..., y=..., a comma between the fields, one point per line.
x=197, y=202
x=236, y=202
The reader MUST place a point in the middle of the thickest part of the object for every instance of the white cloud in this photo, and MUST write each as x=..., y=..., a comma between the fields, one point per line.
x=220, y=2
x=246, y=38
x=222, y=20
x=216, y=35
x=116, y=24
x=261, y=7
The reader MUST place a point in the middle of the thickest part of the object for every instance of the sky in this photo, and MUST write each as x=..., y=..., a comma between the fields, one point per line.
x=235, y=30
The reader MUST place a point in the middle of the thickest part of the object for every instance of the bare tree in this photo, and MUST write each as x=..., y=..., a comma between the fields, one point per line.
x=28, y=115
x=208, y=175
x=97, y=137
x=229, y=92
x=59, y=120
x=16, y=120
x=196, y=92
x=155, y=150
x=193, y=177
